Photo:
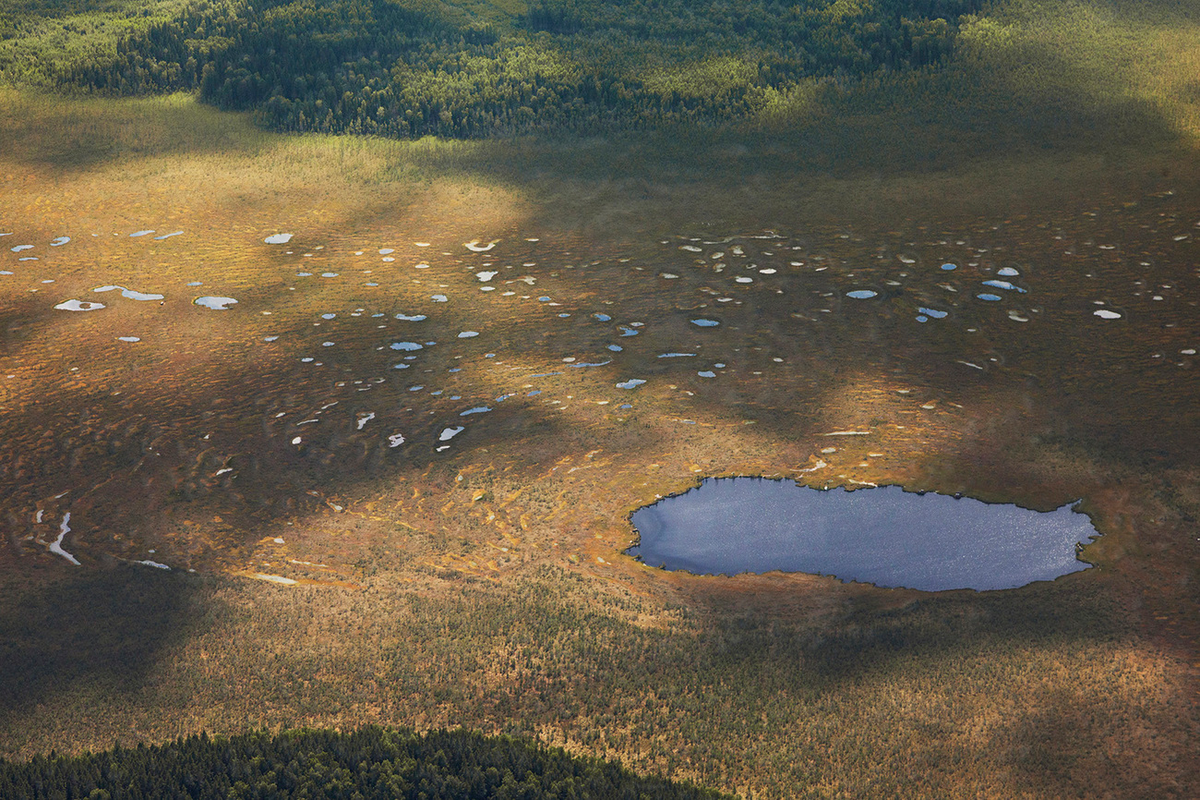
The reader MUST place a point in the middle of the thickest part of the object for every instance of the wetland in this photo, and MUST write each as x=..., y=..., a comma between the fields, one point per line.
x=353, y=427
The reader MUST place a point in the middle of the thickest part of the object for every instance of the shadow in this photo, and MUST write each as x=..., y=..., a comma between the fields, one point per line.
x=94, y=631
x=948, y=625
x=91, y=133
x=141, y=462
x=1029, y=100
x=952, y=123
x=1060, y=738
x=242, y=435
x=1066, y=748
x=972, y=684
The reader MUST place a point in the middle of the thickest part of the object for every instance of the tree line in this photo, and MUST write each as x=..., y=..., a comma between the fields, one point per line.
x=372, y=762
x=405, y=69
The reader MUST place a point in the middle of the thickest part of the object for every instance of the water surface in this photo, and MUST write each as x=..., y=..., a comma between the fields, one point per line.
x=884, y=536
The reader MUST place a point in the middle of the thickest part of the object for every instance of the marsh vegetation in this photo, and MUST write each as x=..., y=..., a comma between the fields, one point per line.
x=402, y=462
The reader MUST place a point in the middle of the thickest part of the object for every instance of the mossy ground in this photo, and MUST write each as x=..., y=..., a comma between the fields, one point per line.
x=484, y=585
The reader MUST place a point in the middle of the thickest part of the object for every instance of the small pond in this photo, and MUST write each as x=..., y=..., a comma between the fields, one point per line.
x=884, y=536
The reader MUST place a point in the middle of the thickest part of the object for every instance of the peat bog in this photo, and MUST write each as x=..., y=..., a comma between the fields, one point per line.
x=332, y=431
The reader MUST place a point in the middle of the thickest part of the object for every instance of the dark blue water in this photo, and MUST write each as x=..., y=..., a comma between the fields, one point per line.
x=884, y=536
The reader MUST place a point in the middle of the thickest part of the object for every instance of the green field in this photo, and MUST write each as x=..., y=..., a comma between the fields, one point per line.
x=325, y=575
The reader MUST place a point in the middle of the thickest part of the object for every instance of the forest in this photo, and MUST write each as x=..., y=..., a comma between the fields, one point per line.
x=372, y=762
x=409, y=69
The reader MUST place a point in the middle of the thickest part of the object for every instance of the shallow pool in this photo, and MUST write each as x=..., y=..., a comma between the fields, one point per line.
x=884, y=536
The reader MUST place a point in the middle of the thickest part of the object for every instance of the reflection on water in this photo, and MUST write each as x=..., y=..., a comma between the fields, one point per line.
x=884, y=536
x=215, y=303
x=131, y=294
x=56, y=546
x=79, y=305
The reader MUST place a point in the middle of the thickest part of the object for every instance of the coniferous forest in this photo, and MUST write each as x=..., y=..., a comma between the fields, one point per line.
x=369, y=763
x=408, y=69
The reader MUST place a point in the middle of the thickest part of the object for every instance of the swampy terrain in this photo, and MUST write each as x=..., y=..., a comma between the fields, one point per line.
x=324, y=429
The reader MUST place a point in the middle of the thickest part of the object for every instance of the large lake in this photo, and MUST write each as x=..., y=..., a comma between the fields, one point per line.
x=884, y=536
